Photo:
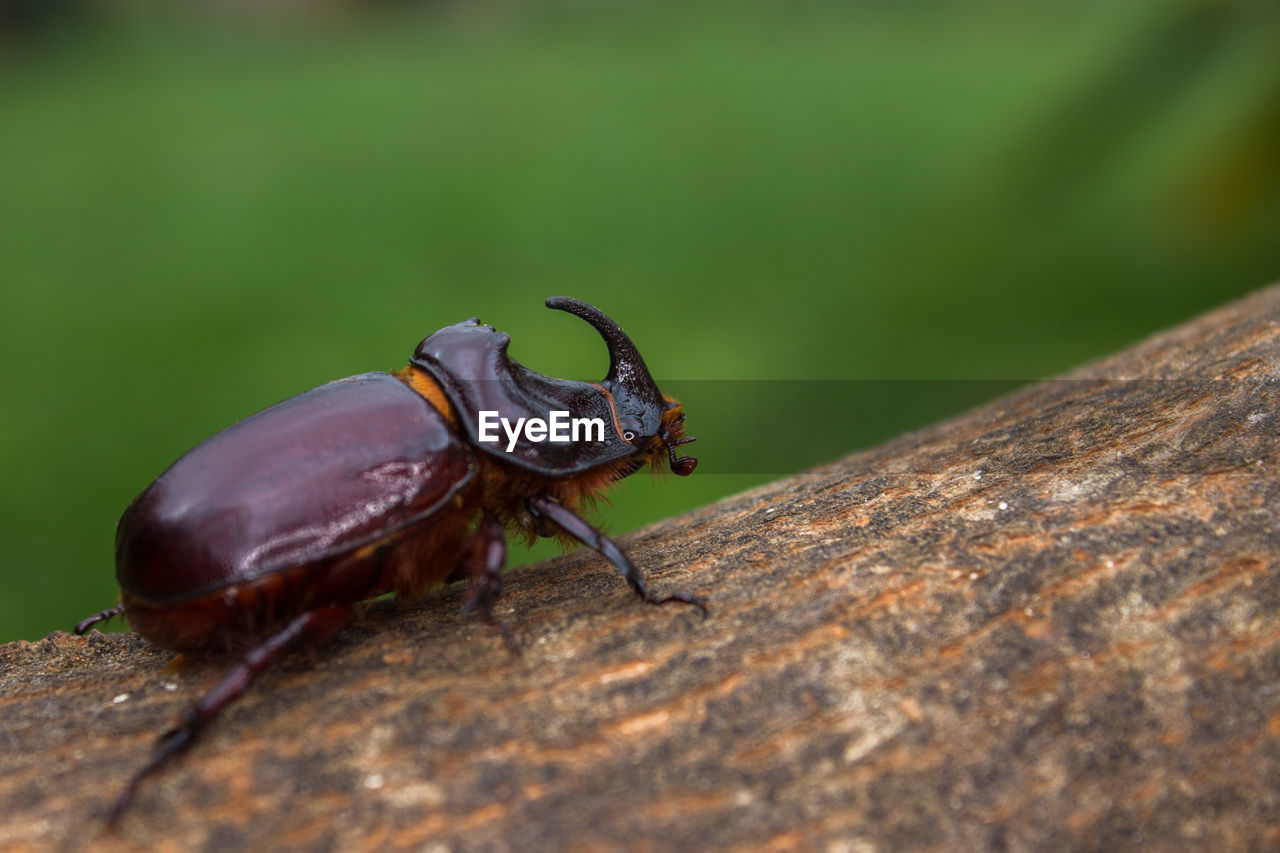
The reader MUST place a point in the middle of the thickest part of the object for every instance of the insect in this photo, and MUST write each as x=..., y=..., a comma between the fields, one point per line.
x=267, y=535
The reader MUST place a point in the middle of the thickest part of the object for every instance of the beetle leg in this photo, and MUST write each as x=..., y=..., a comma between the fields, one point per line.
x=101, y=616
x=582, y=530
x=316, y=626
x=543, y=527
x=491, y=541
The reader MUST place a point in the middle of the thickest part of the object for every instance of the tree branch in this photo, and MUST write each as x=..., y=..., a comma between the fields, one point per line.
x=1052, y=622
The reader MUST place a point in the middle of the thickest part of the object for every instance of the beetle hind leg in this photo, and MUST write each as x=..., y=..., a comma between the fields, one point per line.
x=101, y=616
x=315, y=626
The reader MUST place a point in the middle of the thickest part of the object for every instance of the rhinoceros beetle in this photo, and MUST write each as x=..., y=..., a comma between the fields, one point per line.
x=269, y=534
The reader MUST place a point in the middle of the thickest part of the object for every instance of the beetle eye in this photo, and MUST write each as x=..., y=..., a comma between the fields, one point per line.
x=630, y=429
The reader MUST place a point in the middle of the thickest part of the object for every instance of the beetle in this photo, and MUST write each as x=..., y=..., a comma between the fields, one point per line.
x=269, y=534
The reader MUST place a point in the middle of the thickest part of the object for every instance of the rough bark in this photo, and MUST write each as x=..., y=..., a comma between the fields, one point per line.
x=1052, y=622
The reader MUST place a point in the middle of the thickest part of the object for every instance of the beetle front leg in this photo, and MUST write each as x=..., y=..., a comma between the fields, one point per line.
x=582, y=530
x=315, y=626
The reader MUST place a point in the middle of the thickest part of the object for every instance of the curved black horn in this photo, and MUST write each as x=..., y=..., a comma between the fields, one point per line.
x=625, y=364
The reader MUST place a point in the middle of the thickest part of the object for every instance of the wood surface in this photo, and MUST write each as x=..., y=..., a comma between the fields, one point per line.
x=1052, y=622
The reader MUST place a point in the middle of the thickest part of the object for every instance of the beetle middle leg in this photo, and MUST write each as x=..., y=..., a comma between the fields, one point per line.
x=543, y=507
x=490, y=544
x=315, y=626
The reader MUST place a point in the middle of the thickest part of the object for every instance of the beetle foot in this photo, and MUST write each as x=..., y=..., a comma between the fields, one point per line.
x=169, y=746
x=482, y=598
x=505, y=630
x=681, y=598
x=486, y=614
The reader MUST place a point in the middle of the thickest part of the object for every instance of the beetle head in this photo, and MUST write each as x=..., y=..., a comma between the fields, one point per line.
x=651, y=422
x=470, y=363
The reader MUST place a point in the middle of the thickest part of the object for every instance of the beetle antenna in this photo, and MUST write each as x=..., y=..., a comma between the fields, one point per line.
x=683, y=465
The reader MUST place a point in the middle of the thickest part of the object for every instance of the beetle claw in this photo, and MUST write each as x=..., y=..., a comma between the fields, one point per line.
x=681, y=598
x=486, y=615
x=507, y=636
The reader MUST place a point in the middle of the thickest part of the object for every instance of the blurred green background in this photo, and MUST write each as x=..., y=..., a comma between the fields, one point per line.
x=203, y=214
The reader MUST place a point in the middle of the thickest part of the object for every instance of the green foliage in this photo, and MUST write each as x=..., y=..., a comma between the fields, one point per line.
x=197, y=221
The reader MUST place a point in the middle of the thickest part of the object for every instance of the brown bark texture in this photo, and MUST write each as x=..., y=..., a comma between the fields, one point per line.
x=1052, y=622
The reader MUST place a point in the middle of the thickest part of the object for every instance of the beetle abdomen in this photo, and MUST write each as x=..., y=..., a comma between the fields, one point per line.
x=315, y=477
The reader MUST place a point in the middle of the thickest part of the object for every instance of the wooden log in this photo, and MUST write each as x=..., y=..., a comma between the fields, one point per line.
x=1050, y=623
